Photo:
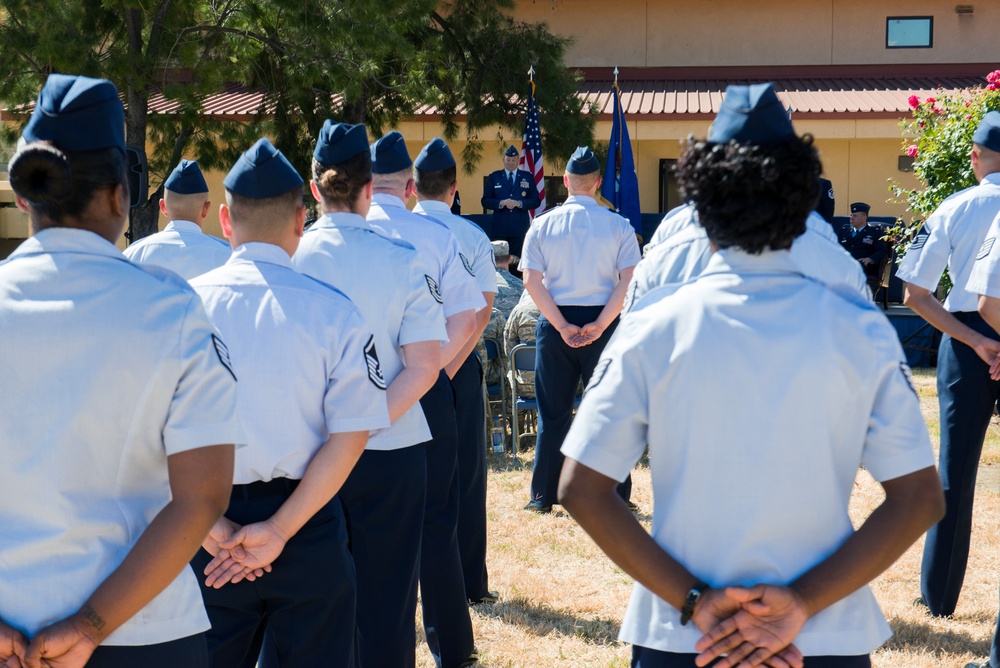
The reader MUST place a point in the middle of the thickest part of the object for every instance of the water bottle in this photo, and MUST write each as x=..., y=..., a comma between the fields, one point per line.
x=497, y=439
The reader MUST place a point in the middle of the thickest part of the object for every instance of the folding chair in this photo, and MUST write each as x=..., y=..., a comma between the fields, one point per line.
x=522, y=358
x=495, y=396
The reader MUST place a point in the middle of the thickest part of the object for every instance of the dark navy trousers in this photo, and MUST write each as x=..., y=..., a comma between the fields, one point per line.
x=558, y=370
x=445, y=604
x=471, y=420
x=307, y=600
x=643, y=657
x=383, y=500
x=967, y=398
x=190, y=652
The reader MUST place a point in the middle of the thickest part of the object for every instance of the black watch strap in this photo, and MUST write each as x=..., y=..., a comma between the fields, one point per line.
x=693, y=595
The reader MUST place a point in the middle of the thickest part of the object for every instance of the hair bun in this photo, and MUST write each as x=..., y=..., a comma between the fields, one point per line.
x=40, y=173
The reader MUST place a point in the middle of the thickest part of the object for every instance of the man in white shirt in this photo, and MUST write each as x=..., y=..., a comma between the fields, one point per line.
x=307, y=400
x=182, y=247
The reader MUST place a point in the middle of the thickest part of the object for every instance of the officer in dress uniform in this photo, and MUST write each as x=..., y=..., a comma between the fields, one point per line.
x=307, y=398
x=436, y=184
x=763, y=509
x=578, y=260
x=117, y=405
x=952, y=237
x=182, y=247
x=383, y=497
x=685, y=254
x=863, y=241
x=447, y=623
x=511, y=193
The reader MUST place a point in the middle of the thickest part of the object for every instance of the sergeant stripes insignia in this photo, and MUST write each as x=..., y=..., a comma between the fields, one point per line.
x=465, y=263
x=433, y=287
x=985, y=249
x=374, y=366
x=598, y=376
x=223, y=352
x=919, y=241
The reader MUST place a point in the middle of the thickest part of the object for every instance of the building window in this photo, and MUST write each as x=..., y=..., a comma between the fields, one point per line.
x=909, y=32
x=905, y=163
x=670, y=194
x=555, y=191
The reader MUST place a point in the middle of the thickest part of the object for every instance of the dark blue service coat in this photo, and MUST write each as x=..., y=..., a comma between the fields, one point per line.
x=510, y=222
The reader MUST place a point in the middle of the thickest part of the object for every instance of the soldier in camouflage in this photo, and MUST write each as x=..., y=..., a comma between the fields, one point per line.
x=521, y=329
x=509, y=287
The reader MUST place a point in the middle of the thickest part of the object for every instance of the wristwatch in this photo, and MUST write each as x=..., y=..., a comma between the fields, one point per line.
x=693, y=595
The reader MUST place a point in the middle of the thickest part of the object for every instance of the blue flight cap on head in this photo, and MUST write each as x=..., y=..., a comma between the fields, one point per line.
x=988, y=132
x=511, y=152
x=583, y=161
x=186, y=179
x=860, y=207
x=77, y=114
x=261, y=172
x=389, y=154
x=751, y=114
x=339, y=141
x=434, y=157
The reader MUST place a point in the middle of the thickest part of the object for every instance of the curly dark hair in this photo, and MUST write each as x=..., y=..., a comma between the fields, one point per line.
x=753, y=196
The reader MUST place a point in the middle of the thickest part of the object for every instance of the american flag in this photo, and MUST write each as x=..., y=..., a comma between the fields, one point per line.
x=531, y=150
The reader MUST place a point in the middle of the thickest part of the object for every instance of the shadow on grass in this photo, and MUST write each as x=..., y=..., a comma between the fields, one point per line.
x=507, y=462
x=541, y=620
x=932, y=636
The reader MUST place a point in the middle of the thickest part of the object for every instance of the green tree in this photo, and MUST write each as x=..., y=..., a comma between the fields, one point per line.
x=371, y=61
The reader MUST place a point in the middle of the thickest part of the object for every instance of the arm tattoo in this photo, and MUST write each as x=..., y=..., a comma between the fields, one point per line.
x=93, y=620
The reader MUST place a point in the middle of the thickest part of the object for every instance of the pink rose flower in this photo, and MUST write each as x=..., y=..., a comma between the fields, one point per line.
x=991, y=86
x=993, y=77
x=930, y=100
x=911, y=151
x=914, y=101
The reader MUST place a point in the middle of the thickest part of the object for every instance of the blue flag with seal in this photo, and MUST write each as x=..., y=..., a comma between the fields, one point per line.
x=621, y=185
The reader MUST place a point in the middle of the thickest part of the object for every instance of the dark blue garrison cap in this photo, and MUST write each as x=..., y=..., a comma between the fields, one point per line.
x=511, y=152
x=583, y=161
x=860, y=207
x=435, y=156
x=77, y=114
x=186, y=179
x=751, y=114
x=389, y=154
x=338, y=142
x=988, y=132
x=261, y=172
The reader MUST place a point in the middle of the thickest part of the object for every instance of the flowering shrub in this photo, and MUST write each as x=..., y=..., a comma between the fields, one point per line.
x=939, y=138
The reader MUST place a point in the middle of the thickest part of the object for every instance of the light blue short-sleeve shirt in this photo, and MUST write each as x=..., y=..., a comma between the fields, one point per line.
x=386, y=280
x=437, y=247
x=182, y=248
x=108, y=368
x=580, y=248
x=306, y=361
x=814, y=386
x=474, y=249
x=953, y=237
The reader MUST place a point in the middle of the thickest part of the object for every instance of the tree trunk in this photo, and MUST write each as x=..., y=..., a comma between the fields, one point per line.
x=355, y=111
x=143, y=219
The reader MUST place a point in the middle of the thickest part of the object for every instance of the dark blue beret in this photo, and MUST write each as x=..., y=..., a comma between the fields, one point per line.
x=751, y=114
x=261, y=172
x=511, y=152
x=186, y=179
x=434, y=157
x=77, y=114
x=339, y=141
x=860, y=207
x=583, y=161
x=389, y=154
x=988, y=132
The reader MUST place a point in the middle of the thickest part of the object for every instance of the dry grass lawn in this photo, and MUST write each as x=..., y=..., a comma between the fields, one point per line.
x=568, y=615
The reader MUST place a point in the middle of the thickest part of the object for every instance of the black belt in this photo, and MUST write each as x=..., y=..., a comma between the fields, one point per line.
x=264, y=490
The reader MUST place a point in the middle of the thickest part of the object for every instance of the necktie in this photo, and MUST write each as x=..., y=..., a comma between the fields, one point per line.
x=510, y=180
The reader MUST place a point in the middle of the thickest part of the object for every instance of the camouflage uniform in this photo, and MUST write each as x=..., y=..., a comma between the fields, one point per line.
x=521, y=329
x=509, y=290
x=492, y=369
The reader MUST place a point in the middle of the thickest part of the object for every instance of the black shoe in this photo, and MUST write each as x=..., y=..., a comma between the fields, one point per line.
x=920, y=602
x=631, y=506
x=538, y=506
x=974, y=664
x=473, y=660
x=489, y=597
